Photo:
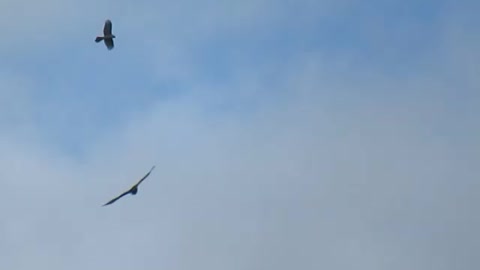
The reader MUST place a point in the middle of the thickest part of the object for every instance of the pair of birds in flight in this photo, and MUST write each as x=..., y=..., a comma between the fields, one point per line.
x=108, y=40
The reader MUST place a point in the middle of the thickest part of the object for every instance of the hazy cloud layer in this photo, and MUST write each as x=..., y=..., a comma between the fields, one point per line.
x=308, y=136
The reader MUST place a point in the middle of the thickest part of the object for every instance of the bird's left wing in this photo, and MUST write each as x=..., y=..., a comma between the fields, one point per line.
x=107, y=28
x=116, y=198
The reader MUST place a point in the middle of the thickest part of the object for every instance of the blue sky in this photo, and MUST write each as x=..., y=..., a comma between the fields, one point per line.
x=307, y=134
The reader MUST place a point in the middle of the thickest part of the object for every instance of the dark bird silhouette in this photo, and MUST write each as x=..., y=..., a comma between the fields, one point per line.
x=133, y=190
x=107, y=35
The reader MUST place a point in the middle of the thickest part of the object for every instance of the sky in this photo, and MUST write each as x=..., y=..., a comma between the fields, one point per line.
x=286, y=135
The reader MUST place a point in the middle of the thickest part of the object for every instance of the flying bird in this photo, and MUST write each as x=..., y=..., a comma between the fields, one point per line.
x=107, y=35
x=133, y=190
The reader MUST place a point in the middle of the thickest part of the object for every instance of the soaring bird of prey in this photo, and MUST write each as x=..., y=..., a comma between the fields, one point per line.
x=133, y=190
x=107, y=35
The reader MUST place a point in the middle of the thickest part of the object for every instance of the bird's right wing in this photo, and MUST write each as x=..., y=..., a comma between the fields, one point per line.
x=109, y=43
x=146, y=175
x=118, y=197
x=107, y=28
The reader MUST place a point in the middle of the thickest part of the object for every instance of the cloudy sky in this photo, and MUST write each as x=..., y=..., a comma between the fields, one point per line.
x=287, y=135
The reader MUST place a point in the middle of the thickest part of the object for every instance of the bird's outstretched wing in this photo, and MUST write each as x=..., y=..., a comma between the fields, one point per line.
x=107, y=28
x=143, y=178
x=109, y=43
x=115, y=199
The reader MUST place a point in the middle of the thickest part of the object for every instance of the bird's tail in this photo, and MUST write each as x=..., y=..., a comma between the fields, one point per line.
x=98, y=39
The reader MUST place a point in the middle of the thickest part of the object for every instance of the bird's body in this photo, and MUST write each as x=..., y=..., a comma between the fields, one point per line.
x=107, y=35
x=133, y=190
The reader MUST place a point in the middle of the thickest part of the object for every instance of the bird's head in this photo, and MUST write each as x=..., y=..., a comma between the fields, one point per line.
x=113, y=36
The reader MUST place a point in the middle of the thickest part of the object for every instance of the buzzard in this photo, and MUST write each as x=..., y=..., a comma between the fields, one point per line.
x=133, y=190
x=107, y=35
